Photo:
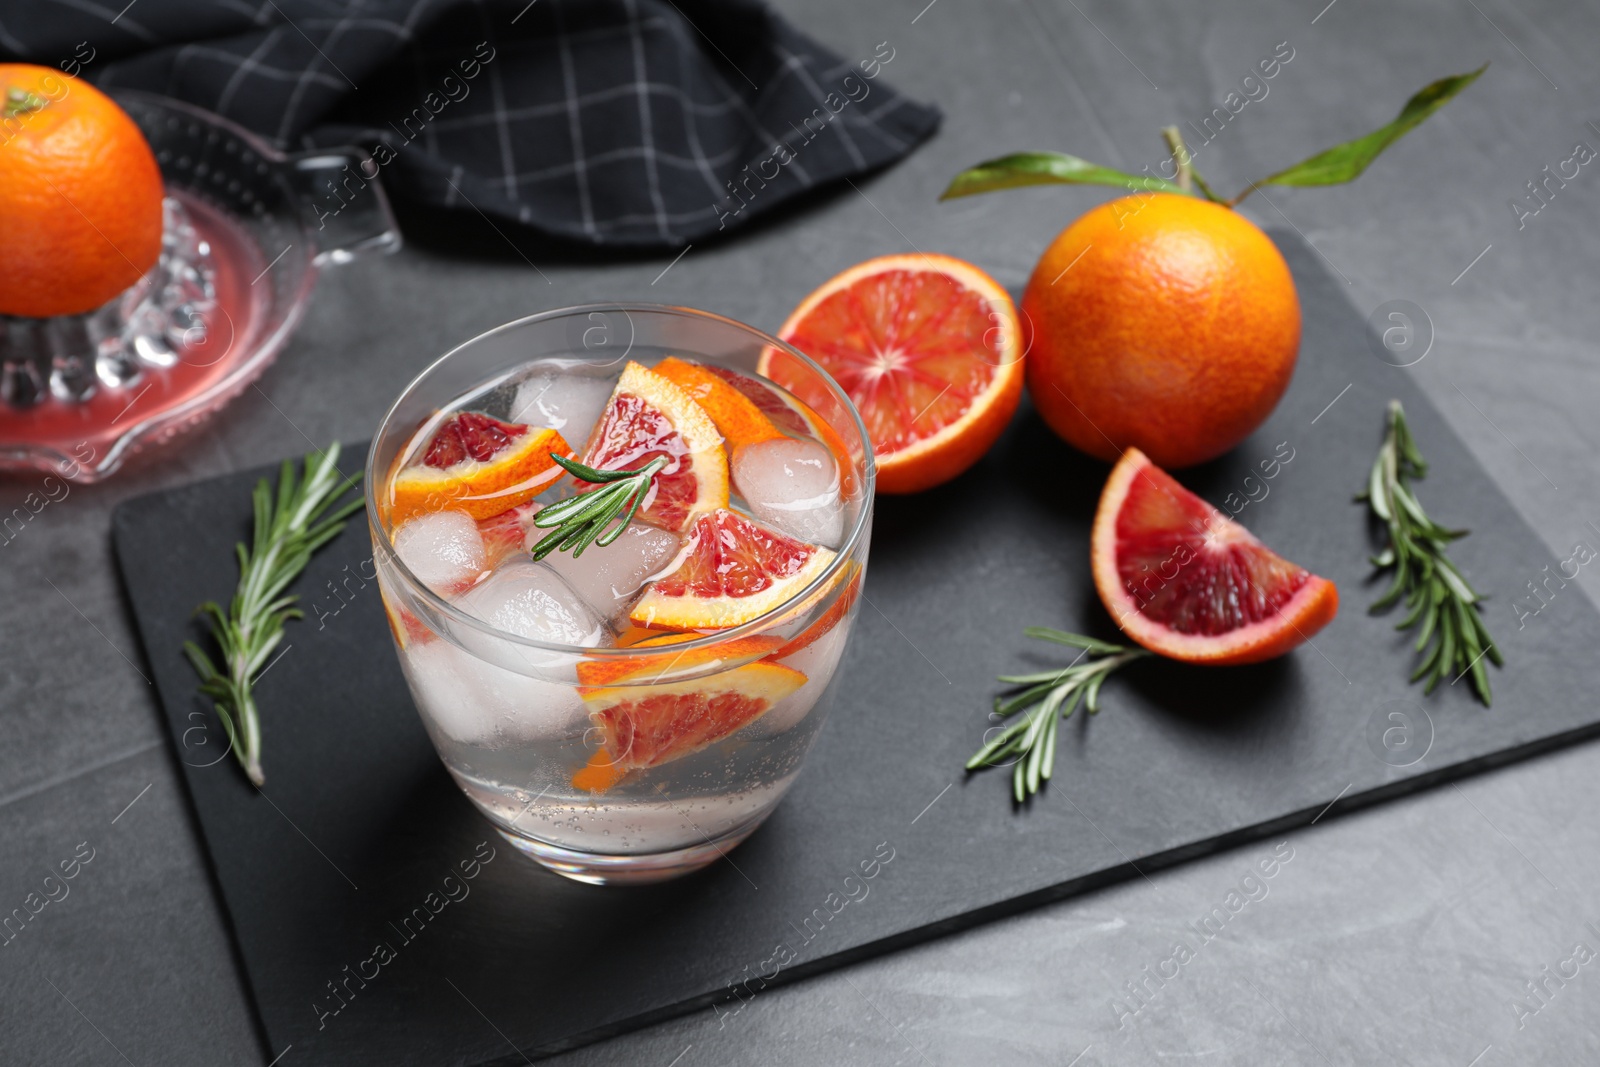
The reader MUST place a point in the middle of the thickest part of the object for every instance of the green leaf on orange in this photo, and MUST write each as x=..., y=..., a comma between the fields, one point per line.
x=1345, y=162
x=1048, y=168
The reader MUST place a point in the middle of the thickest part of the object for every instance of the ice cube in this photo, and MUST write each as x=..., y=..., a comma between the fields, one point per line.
x=608, y=577
x=531, y=600
x=443, y=549
x=817, y=661
x=794, y=486
x=435, y=670
x=477, y=703
x=562, y=400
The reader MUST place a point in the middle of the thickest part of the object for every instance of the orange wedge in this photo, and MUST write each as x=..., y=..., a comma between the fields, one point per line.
x=635, y=635
x=1187, y=582
x=736, y=415
x=405, y=626
x=593, y=674
x=733, y=570
x=792, y=417
x=649, y=416
x=771, y=403
x=599, y=774
x=648, y=725
x=506, y=533
x=929, y=349
x=477, y=464
x=829, y=619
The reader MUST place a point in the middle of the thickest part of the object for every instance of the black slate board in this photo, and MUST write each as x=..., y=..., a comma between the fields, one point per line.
x=359, y=823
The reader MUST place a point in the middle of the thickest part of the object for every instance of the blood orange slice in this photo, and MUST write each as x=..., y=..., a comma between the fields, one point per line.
x=648, y=725
x=767, y=400
x=406, y=627
x=829, y=619
x=734, y=413
x=928, y=348
x=597, y=673
x=477, y=464
x=648, y=416
x=732, y=570
x=1187, y=582
x=793, y=418
x=506, y=533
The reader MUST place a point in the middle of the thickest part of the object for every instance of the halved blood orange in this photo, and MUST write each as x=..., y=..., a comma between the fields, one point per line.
x=648, y=416
x=648, y=725
x=1187, y=582
x=478, y=464
x=928, y=347
x=732, y=570
x=736, y=415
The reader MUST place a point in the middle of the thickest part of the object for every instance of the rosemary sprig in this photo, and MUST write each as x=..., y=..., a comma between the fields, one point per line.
x=1453, y=640
x=1031, y=739
x=581, y=520
x=289, y=527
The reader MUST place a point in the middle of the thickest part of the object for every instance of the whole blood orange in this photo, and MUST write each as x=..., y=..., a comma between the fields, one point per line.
x=1189, y=583
x=926, y=346
x=1161, y=322
x=80, y=195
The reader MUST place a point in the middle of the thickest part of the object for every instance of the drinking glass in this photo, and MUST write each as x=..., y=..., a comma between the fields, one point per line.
x=509, y=715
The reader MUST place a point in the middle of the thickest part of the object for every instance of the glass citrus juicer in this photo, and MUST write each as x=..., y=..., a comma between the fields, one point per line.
x=247, y=229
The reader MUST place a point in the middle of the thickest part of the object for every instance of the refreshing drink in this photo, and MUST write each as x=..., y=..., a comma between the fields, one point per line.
x=621, y=569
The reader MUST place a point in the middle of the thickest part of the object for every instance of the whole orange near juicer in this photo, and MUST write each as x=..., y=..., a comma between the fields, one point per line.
x=80, y=196
x=153, y=259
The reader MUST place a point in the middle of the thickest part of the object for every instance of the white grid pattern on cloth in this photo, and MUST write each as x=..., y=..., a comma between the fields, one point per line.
x=575, y=125
x=608, y=121
x=641, y=78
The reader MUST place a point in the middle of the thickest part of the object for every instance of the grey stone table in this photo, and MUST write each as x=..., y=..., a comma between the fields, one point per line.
x=1405, y=933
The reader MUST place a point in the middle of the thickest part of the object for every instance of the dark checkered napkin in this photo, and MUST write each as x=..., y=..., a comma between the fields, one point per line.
x=624, y=122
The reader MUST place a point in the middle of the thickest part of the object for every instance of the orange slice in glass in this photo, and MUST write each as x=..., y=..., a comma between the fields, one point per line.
x=648, y=725
x=735, y=415
x=649, y=416
x=597, y=673
x=732, y=570
x=477, y=464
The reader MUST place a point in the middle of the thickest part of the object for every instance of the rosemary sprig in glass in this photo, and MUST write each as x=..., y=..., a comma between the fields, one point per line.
x=1453, y=640
x=289, y=527
x=1031, y=739
x=581, y=520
